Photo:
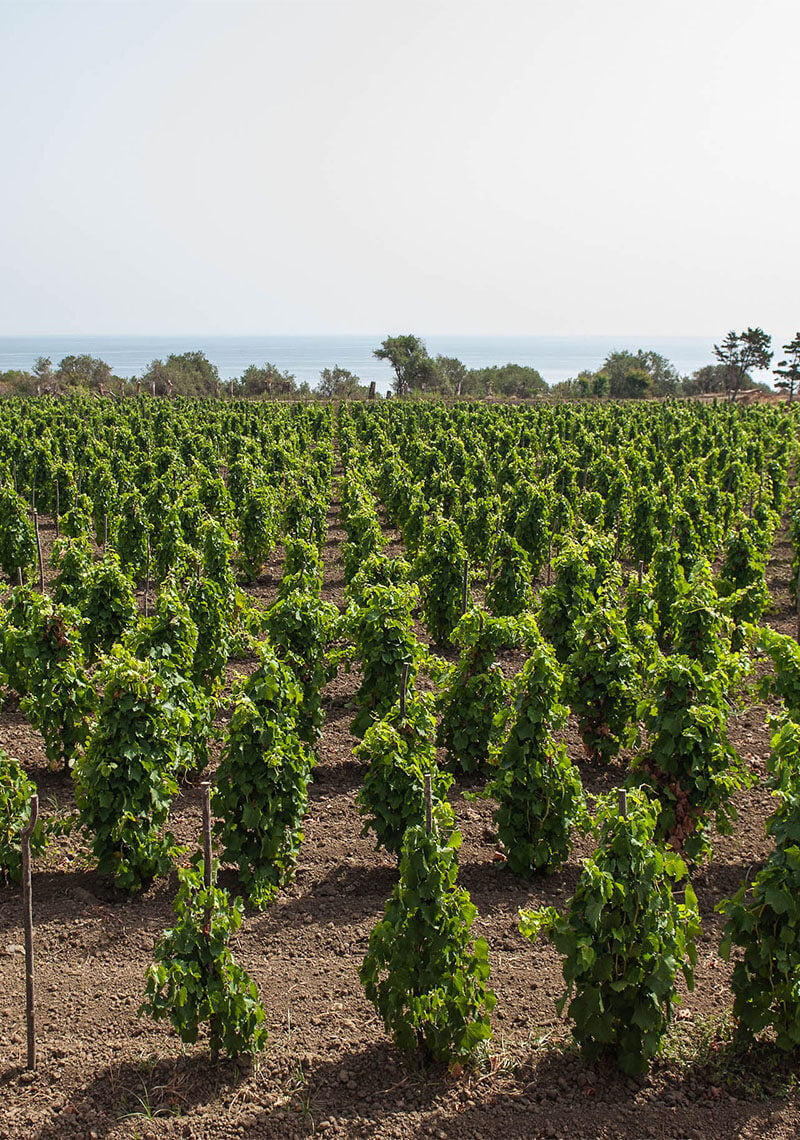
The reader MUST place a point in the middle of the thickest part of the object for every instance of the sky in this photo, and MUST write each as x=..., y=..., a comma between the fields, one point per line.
x=543, y=167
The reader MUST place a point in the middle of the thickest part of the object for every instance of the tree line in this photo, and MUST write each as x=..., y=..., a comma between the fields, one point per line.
x=181, y=374
x=637, y=375
x=622, y=375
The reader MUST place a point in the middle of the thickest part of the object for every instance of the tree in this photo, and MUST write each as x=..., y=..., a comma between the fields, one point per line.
x=579, y=387
x=268, y=381
x=183, y=374
x=632, y=375
x=710, y=378
x=633, y=384
x=339, y=384
x=452, y=375
x=414, y=369
x=789, y=370
x=45, y=377
x=515, y=380
x=16, y=382
x=625, y=375
x=740, y=352
x=82, y=371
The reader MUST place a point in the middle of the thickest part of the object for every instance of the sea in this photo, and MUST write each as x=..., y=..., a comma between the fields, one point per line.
x=556, y=357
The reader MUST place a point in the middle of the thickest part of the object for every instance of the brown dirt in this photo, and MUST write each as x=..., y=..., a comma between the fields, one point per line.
x=330, y=1069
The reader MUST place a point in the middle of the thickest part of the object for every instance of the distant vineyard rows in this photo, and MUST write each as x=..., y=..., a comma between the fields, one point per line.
x=616, y=553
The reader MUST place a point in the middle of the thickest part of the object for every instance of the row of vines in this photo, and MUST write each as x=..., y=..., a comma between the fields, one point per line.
x=614, y=555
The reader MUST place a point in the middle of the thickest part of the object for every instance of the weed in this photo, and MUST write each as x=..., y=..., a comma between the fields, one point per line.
x=712, y=1047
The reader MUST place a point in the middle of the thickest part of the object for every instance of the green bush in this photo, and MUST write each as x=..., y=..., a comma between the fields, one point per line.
x=194, y=977
x=623, y=937
x=400, y=753
x=261, y=790
x=420, y=972
x=538, y=790
x=125, y=780
x=15, y=813
x=763, y=917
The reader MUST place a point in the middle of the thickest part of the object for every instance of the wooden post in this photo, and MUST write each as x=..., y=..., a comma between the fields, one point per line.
x=33, y=494
x=208, y=876
x=428, y=803
x=39, y=552
x=549, y=562
x=19, y=575
x=403, y=686
x=208, y=883
x=105, y=530
x=372, y=390
x=147, y=580
x=623, y=803
x=27, y=916
x=465, y=586
x=58, y=510
x=641, y=573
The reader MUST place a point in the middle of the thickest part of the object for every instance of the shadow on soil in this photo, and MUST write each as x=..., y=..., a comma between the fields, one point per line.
x=371, y=1092
x=347, y=895
x=367, y=1092
x=144, y=1091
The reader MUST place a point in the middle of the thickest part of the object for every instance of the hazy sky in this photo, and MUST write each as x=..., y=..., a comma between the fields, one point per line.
x=461, y=166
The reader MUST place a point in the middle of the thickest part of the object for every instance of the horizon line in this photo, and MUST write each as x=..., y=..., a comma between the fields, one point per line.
x=368, y=333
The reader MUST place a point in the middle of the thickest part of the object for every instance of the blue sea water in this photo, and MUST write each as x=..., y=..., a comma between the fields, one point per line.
x=556, y=357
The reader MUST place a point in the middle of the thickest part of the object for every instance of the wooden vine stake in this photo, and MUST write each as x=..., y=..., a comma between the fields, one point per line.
x=58, y=511
x=208, y=881
x=623, y=803
x=428, y=803
x=27, y=918
x=147, y=581
x=208, y=874
x=641, y=572
x=465, y=586
x=403, y=687
x=39, y=552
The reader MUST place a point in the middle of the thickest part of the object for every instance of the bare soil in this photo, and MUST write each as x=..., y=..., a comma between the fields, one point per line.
x=330, y=1069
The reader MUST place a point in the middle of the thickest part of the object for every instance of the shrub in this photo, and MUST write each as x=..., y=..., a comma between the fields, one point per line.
x=420, y=973
x=194, y=977
x=623, y=937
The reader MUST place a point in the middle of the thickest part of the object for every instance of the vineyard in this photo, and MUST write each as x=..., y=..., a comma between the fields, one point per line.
x=493, y=713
